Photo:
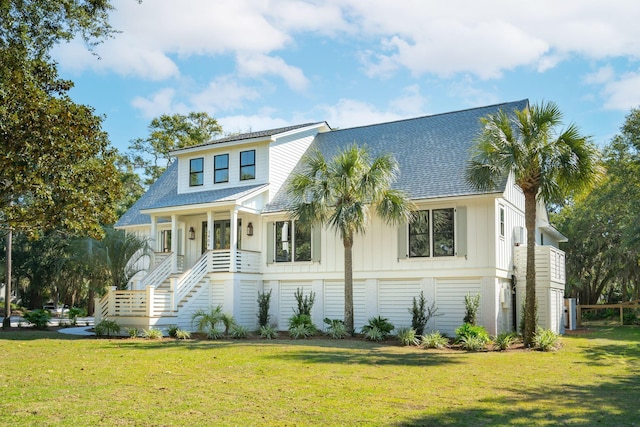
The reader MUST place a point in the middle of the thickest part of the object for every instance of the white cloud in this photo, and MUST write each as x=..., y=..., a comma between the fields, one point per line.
x=255, y=65
x=161, y=102
x=624, y=93
x=603, y=75
x=223, y=93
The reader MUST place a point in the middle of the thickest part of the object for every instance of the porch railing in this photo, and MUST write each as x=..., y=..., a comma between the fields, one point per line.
x=191, y=278
x=158, y=273
x=246, y=261
x=124, y=303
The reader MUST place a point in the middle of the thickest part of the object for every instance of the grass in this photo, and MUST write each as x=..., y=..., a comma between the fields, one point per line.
x=48, y=379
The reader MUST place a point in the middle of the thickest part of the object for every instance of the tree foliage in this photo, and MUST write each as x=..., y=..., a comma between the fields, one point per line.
x=167, y=133
x=342, y=193
x=548, y=164
x=603, y=250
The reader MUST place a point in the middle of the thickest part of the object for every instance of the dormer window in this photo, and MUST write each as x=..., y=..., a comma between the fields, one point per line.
x=247, y=165
x=221, y=168
x=196, y=172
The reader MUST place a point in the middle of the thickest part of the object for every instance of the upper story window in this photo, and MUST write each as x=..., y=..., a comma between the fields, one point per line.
x=292, y=241
x=196, y=172
x=432, y=233
x=221, y=168
x=247, y=165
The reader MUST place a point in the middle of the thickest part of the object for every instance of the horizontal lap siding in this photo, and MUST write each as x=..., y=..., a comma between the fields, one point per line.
x=248, y=303
x=395, y=299
x=288, y=301
x=334, y=302
x=450, y=295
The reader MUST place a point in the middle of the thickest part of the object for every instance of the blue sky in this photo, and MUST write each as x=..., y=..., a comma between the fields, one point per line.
x=263, y=64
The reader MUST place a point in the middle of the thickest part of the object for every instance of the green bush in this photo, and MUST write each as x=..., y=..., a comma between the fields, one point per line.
x=305, y=303
x=302, y=320
x=374, y=334
x=420, y=313
x=382, y=324
x=434, y=340
x=173, y=330
x=471, y=306
x=503, y=340
x=264, y=300
x=107, y=327
x=181, y=334
x=407, y=336
x=74, y=313
x=214, y=334
x=133, y=332
x=228, y=321
x=469, y=330
x=152, y=334
x=336, y=329
x=268, y=332
x=301, y=331
x=38, y=318
x=205, y=321
x=473, y=343
x=546, y=340
x=239, y=331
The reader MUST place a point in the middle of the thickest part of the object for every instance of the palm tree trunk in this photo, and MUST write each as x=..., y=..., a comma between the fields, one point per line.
x=348, y=283
x=530, y=294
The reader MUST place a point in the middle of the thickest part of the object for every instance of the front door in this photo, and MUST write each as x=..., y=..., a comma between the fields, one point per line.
x=221, y=234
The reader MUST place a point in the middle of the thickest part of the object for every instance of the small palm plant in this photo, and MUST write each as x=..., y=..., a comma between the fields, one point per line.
x=207, y=322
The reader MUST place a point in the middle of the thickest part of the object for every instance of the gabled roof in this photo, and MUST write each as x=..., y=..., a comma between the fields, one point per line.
x=250, y=135
x=432, y=151
x=164, y=194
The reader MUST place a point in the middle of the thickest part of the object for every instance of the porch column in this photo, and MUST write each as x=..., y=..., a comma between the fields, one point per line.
x=174, y=243
x=209, y=230
x=233, y=247
x=153, y=238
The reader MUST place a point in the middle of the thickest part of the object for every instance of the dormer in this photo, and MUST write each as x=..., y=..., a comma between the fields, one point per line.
x=249, y=159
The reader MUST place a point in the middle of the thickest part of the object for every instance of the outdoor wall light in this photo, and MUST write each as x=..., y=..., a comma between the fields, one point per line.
x=250, y=229
x=192, y=233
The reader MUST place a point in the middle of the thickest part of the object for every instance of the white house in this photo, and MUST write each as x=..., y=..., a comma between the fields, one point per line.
x=218, y=224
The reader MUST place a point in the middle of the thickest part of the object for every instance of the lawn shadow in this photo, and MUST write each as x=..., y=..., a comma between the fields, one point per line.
x=30, y=334
x=610, y=403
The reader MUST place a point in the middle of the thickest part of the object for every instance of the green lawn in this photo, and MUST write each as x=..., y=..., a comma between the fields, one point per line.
x=47, y=378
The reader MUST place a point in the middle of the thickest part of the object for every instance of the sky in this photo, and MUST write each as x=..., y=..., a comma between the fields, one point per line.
x=263, y=64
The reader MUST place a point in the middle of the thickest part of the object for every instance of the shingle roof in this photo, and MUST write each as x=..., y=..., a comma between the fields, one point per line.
x=432, y=151
x=251, y=135
x=164, y=193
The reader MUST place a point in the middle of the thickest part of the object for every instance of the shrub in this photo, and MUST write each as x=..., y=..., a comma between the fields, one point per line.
x=407, y=336
x=469, y=330
x=302, y=320
x=473, y=343
x=38, y=318
x=228, y=321
x=133, y=332
x=374, y=334
x=300, y=331
x=336, y=329
x=181, y=334
x=305, y=303
x=382, y=324
x=434, y=340
x=264, y=300
x=268, y=332
x=471, y=306
x=152, y=334
x=107, y=327
x=74, y=313
x=205, y=321
x=546, y=340
x=239, y=331
x=503, y=340
x=214, y=334
x=421, y=314
x=172, y=330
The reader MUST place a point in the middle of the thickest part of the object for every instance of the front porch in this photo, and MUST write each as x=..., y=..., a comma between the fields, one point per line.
x=166, y=294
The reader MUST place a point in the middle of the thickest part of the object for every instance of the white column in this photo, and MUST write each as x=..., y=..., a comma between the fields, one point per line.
x=174, y=242
x=153, y=239
x=234, y=239
x=210, y=230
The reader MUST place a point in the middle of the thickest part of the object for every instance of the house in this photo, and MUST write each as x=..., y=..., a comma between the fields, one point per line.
x=219, y=228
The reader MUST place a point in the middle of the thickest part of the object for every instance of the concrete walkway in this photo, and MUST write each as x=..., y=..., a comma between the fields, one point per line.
x=81, y=331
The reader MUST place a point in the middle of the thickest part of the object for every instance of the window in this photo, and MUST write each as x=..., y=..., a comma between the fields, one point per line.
x=432, y=233
x=196, y=172
x=165, y=241
x=247, y=165
x=299, y=246
x=501, y=221
x=419, y=241
x=221, y=168
x=443, y=232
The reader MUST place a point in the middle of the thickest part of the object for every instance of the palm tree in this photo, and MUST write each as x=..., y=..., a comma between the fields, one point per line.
x=122, y=254
x=343, y=193
x=547, y=165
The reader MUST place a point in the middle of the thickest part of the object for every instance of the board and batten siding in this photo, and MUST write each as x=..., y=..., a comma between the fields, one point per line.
x=450, y=295
x=284, y=155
